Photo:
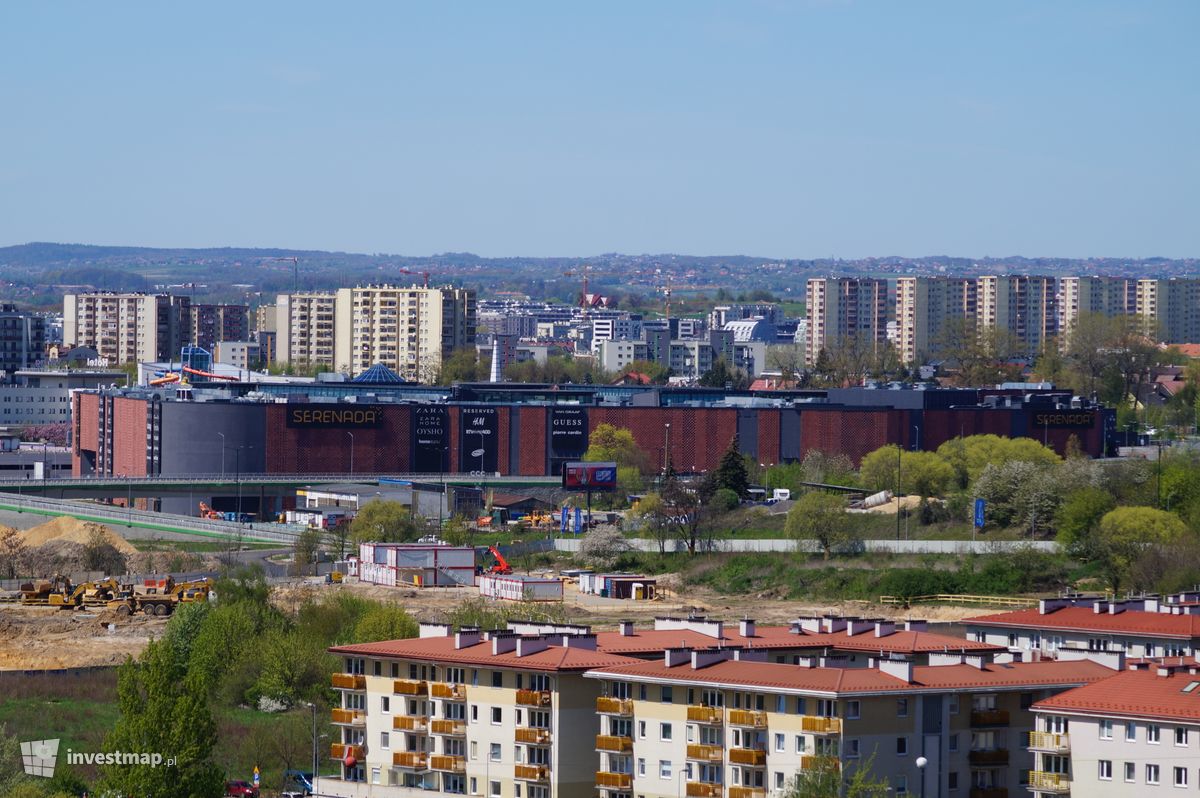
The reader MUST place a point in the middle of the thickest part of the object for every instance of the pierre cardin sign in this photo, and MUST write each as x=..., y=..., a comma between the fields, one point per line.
x=340, y=417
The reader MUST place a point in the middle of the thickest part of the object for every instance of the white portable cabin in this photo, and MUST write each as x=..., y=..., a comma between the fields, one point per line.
x=520, y=588
x=416, y=564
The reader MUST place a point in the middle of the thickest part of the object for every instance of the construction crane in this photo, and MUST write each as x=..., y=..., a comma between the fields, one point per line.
x=583, y=271
x=295, y=270
x=424, y=275
x=666, y=289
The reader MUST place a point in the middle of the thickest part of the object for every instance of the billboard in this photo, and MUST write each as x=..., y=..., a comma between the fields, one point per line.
x=568, y=434
x=431, y=439
x=479, y=439
x=589, y=476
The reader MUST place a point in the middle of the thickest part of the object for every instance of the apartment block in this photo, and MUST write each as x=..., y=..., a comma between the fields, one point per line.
x=925, y=307
x=127, y=328
x=615, y=328
x=212, y=324
x=1135, y=733
x=845, y=307
x=409, y=330
x=1170, y=309
x=1025, y=306
x=22, y=339
x=304, y=324
x=497, y=714
x=1103, y=296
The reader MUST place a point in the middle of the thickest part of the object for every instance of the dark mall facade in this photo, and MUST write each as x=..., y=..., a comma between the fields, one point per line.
x=532, y=430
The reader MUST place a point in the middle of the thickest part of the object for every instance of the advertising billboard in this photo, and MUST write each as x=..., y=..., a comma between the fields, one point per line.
x=479, y=439
x=431, y=439
x=589, y=476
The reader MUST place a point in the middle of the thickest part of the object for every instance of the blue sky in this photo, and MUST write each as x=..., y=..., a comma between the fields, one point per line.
x=782, y=129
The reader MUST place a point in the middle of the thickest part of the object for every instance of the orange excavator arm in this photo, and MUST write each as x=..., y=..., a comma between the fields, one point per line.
x=501, y=566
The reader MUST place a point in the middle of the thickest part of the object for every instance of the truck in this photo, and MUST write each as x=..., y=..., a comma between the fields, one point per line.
x=159, y=596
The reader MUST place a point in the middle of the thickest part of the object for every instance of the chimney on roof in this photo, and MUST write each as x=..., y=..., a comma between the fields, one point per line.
x=980, y=660
x=807, y=625
x=426, y=629
x=746, y=627
x=586, y=642
x=1099, y=606
x=916, y=625
x=1116, y=607
x=945, y=658
x=831, y=624
x=899, y=668
x=531, y=645
x=503, y=642
x=1047, y=606
x=856, y=626
x=467, y=637
x=884, y=628
x=710, y=656
x=626, y=628
x=749, y=654
x=673, y=657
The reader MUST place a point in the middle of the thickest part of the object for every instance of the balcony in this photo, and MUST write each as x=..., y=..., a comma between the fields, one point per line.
x=703, y=789
x=410, y=687
x=349, y=681
x=990, y=758
x=747, y=792
x=348, y=717
x=448, y=764
x=614, y=744
x=1049, y=741
x=614, y=706
x=988, y=792
x=448, y=728
x=748, y=717
x=614, y=781
x=533, y=736
x=1049, y=782
x=809, y=762
x=709, y=715
x=412, y=723
x=989, y=717
x=753, y=757
x=410, y=760
x=539, y=773
x=533, y=698
x=448, y=692
x=816, y=724
x=341, y=751
x=705, y=753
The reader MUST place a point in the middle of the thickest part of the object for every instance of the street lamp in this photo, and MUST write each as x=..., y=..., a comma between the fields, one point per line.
x=313, y=707
x=222, y=434
x=351, y=434
x=921, y=763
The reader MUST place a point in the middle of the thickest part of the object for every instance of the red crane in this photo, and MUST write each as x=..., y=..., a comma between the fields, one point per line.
x=425, y=275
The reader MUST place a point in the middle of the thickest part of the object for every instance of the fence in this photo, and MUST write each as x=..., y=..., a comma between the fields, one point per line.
x=729, y=546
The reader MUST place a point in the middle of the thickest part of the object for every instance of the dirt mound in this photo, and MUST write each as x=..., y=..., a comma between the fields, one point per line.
x=65, y=529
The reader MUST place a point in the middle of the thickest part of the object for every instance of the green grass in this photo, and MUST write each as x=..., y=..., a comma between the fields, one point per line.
x=196, y=546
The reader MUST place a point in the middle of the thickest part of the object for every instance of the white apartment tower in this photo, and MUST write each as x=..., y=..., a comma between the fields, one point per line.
x=845, y=307
x=126, y=328
x=924, y=308
x=1024, y=305
x=305, y=329
x=1170, y=308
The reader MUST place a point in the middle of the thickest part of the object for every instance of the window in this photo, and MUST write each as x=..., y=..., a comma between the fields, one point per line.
x=780, y=743
x=385, y=704
x=853, y=710
x=1105, y=772
x=474, y=754
x=851, y=748
x=497, y=678
x=952, y=780
x=641, y=692
x=1181, y=736
x=474, y=713
x=952, y=743
x=1130, y=731
x=641, y=766
x=667, y=694
x=901, y=746
x=377, y=668
x=664, y=731
x=1106, y=729
x=1153, y=733
x=474, y=786
x=384, y=740
x=902, y=707
x=642, y=729
x=664, y=769
x=778, y=780
x=497, y=716
x=800, y=744
x=901, y=784
x=1130, y=772
x=494, y=752
x=1152, y=774
x=1180, y=777
x=494, y=789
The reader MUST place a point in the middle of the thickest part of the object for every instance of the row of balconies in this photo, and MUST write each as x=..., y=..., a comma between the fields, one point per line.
x=716, y=716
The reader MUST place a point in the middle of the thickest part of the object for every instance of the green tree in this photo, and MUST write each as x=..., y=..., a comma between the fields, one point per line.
x=922, y=473
x=457, y=532
x=383, y=622
x=654, y=516
x=657, y=372
x=611, y=444
x=824, y=779
x=822, y=517
x=461, y=366
x=724, y=375
x=163, y=712
x=383, y=521
x=1078, y=519
x=1127, y=533
x=304, y=551
x=731, y=471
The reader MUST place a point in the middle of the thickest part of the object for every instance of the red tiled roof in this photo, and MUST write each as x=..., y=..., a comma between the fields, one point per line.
x=653, y=641
x=1083, y=619
x=1139, y=693
x=441, y=649
x=1191, y=350
x=781, y=676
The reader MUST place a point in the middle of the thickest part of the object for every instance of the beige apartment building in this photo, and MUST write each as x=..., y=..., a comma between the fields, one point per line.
x=304, y=325
x=127, y=328
x=842, y=308
x=1026, y=306
x=1102, y=296
x=1170, y=309
x=409, y=330
x=925, y=306
x=497, y=714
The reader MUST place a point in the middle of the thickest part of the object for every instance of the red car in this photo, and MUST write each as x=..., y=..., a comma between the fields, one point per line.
x=241, y=789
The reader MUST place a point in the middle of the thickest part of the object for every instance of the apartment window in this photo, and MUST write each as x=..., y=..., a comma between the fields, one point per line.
x=902, y=707
x=1130, y=731
x=1181, y=736
x=667, y=694
x=1180, y=777
x=952, y=780
x=474, y=786
x=474, y=754
x=385, y=704
x=494, y=789
x=901, y=784
x=641, y=692
x=377, y=668
x=1130, y=772
x=641, y=766
x=779, y=780
x=801, y=746
x=642, y=729
x=494, y=752
x=853, y=710
x=474, y=713
x=901, y=746
x=664, y=731
x=1106, y=729
x=1153, y=733
x=851, y=748
x=1152, y=774
x=952, y=743
x=497, y=716
x=1105, y=772
x=497, y=678
x=395, y=670
x=664, y=769
x=780, y=743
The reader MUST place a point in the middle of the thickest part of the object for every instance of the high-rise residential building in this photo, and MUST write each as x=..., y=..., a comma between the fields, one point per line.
x=1170, y=309
x=127, y=328
x=1026, y=306
x=305, y=328
x=265, y=318
x=1103, y=296
x=845, y=308
x=409, y=330
x=925, y=307
x=213, y=324
x=22, y=339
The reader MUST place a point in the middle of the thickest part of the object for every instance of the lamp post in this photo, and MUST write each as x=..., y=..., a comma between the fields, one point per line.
x=313, y=707
x=222, y=434
x=351, y=434
x=666, y=449
x=921, y=763
x=899, y=452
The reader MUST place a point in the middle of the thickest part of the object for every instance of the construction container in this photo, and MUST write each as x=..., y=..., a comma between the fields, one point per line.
x=416, y=564
x=520, y=588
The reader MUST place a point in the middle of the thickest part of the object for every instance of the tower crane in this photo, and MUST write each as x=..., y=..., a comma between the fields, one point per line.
x=583, y=271
x=295, y=270
x=666, y=290
x=424, y=275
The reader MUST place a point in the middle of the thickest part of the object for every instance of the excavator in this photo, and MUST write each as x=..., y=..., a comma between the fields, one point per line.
x=46, y=591
x=210, y=513
x=87, y=594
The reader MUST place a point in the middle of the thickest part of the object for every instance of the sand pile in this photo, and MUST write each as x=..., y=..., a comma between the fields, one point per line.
x=65, y=529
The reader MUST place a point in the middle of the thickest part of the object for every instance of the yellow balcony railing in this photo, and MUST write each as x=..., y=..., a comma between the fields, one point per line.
x=411, y=760
x=1049, y=741
x=705, y=753
x=533, y=698
x=447, y=691
x=452, y=728
x=1049, y=782
x=614, y=706
x=809, y=762
x=450, y=764
x=531, y=772
x=532, y=736
x=703, y=789
x=709, y=715
x=747, y=792
x=614, y=744
x=413, y=723
x=753, y=757
x=341, y=751
x=614, y=781
x=815, y=724
x=748, y=717
x=410, y=687
x=348, y=717
x=349, y=681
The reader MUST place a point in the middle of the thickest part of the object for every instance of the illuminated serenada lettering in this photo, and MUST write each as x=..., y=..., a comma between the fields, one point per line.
x=334, y=417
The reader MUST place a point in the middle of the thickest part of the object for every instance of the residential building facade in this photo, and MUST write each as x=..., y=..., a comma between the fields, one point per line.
x=845, y=307
x=1024, y=306
x=212, y=324
x=22, y=339
x=127, y=328
x=1170, y=309
x=304, y=325
x=926, y=307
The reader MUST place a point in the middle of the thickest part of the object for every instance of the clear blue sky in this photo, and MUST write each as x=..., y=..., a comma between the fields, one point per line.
x=784, y=129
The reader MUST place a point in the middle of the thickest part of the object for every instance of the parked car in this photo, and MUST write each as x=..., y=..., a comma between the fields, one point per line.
x=241, y=789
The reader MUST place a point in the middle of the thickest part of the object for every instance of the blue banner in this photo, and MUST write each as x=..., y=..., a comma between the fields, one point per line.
x=563, y=524
x=980, y=506
x=578, y=520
